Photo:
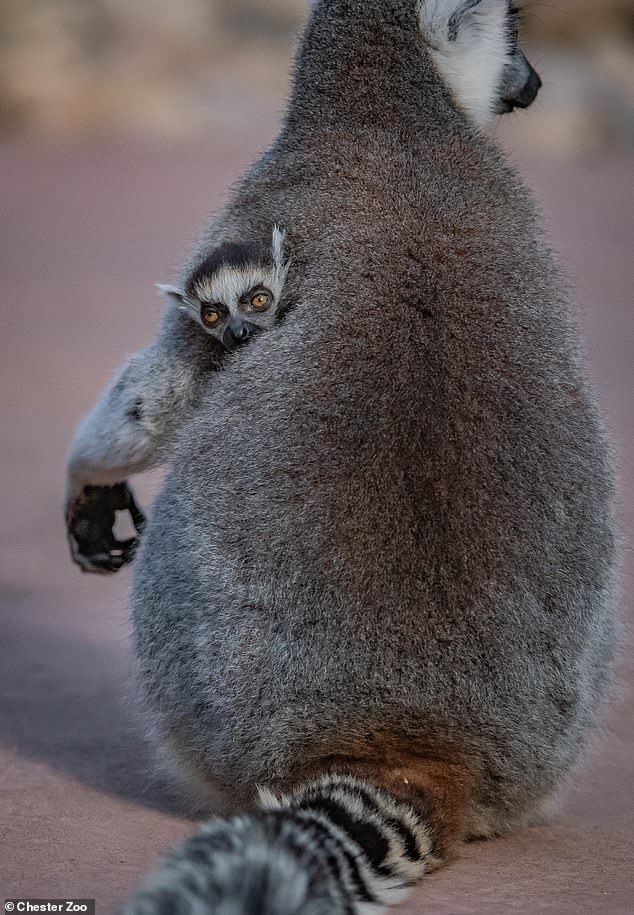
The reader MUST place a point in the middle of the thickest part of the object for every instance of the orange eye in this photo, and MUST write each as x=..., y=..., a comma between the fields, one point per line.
x=209, y=315
x=261, y=301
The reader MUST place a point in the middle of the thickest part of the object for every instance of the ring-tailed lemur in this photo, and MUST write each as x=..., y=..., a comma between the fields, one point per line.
x=234, y=292
x=378, y=582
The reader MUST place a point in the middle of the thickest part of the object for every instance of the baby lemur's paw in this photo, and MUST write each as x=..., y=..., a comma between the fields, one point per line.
x=90, y=521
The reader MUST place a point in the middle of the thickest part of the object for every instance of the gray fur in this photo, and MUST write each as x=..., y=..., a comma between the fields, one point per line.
x=135, y=423
x=137, y=420
x=396, y=519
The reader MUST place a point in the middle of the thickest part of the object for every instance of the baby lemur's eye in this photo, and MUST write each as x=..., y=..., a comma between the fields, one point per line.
x=209, y=315
x=261, y=300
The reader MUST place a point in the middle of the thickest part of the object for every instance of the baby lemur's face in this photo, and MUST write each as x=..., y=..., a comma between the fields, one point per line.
x=236, y=290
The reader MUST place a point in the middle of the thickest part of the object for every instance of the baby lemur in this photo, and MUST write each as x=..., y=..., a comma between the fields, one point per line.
x=234, y=293
x=236, y=290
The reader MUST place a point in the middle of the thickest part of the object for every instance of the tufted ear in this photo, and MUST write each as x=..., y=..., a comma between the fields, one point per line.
x=471, y=16
x=176, y=296
x=173, y=294
x=469, y=42
x=279, y=250
x=447, y=20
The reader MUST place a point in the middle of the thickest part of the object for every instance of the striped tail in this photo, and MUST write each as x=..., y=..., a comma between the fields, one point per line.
x=336, y=846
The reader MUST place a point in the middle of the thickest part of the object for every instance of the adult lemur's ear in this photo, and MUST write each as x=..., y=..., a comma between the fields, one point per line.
x=173, y=294
x=469, y=41
x=472, y=15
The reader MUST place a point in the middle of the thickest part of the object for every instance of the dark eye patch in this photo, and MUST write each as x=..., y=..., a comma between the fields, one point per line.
x=212, y=314
x=218, y=306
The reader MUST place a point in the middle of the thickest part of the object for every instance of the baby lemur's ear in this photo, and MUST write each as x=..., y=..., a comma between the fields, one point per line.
x=173, y=294
x=280, y=251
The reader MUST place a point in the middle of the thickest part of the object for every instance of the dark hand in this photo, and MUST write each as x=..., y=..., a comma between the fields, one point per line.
x=90, y=520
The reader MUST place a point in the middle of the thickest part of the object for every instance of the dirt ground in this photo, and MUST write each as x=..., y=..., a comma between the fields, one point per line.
x=85, y=233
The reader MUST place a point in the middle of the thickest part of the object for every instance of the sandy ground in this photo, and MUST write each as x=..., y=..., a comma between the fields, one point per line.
x=85, y=233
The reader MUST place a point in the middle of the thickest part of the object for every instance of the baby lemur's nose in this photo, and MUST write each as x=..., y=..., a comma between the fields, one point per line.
x=240, y=332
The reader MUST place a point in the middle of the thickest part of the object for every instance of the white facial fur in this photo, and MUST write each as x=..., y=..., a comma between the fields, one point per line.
x=469, y=43
x=228, y=284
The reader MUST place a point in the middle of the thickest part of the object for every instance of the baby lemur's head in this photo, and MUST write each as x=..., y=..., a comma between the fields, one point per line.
x=236, y=290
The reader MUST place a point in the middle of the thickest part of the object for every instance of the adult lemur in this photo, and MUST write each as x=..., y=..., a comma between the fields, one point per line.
x=378, y=583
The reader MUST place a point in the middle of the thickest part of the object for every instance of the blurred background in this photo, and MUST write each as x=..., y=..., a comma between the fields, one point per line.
x=122, y=124
x=179, y=68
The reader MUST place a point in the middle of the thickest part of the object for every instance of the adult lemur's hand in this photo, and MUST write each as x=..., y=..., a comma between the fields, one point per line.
x=90, y=519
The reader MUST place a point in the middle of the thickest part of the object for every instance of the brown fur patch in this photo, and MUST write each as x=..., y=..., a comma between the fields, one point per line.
x=437, y=784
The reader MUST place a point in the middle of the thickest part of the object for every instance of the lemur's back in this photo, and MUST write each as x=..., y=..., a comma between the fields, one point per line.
x=396, y=528
x=384, y=547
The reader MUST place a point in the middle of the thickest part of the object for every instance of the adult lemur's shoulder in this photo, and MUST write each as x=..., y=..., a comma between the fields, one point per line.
x=378, y=582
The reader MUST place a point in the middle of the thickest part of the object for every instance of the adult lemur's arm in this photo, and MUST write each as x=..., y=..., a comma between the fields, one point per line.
x=132, y=429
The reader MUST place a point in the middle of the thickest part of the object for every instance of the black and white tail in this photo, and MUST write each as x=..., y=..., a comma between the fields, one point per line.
x=336, y=846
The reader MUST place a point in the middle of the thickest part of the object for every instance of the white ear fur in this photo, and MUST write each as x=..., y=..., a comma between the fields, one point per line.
x=277, y=248
x=173, y=294
x=176, y=296
x=469, y=44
